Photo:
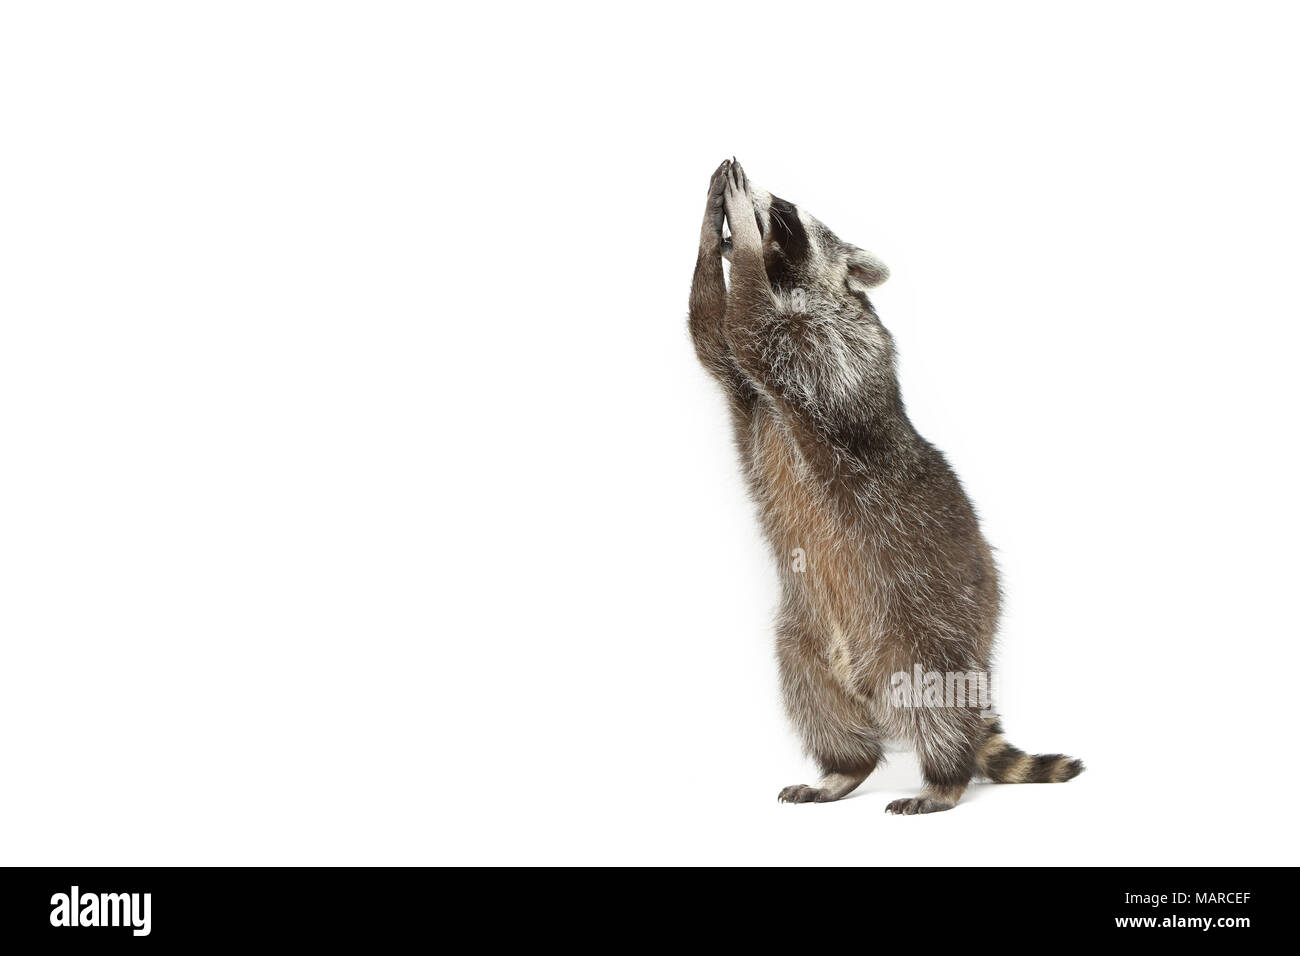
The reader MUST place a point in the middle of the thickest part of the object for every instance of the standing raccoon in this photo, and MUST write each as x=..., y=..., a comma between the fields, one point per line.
x=892, y=575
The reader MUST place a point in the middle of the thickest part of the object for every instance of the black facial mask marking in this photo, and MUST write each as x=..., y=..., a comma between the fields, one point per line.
x=791, y=241
x=788, y=231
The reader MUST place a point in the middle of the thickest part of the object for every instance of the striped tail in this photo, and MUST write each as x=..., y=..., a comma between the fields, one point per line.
x=1003, y=763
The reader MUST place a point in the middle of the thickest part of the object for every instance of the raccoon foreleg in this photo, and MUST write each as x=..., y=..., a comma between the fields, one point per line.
x=709, y=299
x=771, y=348
x=749, y=301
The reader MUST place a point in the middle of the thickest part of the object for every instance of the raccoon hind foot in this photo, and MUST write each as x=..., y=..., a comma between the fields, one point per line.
x=830, y=788
x=933, y=799
x=802, y=793
x=910, y=805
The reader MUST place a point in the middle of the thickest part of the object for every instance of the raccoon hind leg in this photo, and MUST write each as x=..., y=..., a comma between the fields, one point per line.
x=934, y=798
x=831, y=787
x=947, y=740
x=836, y=728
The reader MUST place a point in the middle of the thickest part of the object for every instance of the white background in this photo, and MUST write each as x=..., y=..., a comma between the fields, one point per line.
x=362, y=500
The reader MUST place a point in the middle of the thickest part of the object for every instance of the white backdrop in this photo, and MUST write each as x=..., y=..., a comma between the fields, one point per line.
x=363, y=501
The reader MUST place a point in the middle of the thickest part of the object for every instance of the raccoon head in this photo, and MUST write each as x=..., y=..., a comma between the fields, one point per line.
x=801, y=253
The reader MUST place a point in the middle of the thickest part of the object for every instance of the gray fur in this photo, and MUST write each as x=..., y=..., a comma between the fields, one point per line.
x=897, y=571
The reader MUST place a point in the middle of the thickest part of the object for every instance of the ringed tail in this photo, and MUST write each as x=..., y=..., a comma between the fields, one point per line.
x=1003, y=763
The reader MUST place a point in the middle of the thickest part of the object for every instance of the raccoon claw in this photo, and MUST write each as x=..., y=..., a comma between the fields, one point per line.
x=910, y=805
x=737, y=175
x=801, y=793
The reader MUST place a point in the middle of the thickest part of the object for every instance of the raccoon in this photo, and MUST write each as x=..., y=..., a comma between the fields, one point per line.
x=892, y=575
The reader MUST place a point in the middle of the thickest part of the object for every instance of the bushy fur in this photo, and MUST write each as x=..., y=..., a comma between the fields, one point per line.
x=893, y=570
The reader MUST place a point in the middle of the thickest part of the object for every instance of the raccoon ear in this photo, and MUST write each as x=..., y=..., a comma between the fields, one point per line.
x=865, y=270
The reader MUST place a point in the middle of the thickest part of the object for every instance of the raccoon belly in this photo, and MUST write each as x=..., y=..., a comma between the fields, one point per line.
x=827, y=579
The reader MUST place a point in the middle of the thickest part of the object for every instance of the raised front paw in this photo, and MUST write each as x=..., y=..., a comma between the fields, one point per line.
x=715, y=210
x=739, y=202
